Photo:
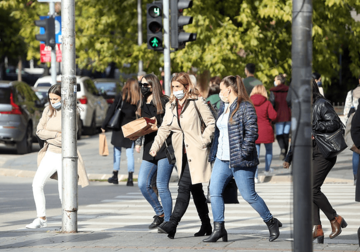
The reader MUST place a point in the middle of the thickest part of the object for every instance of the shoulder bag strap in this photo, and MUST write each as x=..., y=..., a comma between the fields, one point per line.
x=197, y=110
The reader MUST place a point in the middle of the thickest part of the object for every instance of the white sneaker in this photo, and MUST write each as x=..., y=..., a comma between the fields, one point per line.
x=269, y=173
x=256, y=181
x=37, y=223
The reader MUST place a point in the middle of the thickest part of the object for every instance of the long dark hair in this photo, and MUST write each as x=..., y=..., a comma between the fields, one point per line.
x=156, y=92
x=131, y=91
x=214, y=85
x=315, y=91
x=55, y=89
x=238, y=86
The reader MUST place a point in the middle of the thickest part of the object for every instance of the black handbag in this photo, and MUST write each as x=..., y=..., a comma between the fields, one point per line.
x=170, y=153
x=114, y=122
x=229, y=194
x=331, y=144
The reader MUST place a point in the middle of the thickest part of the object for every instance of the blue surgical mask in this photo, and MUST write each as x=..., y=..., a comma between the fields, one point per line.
x=275, y=83
x=179, y=94
x=57, y=105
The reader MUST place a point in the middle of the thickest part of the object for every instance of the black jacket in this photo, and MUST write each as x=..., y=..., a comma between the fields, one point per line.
x=127, y=115
x=149, y=110
x=324, y=119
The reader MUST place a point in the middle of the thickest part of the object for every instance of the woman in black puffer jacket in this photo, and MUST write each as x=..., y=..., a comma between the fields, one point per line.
x=325, y=120
x=235, y=155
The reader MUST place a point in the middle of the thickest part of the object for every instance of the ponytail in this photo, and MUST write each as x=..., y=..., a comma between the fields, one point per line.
x=238, y=86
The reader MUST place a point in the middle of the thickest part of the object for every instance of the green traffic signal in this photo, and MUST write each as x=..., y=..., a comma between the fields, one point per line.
x=154, y=42
x=154, y=11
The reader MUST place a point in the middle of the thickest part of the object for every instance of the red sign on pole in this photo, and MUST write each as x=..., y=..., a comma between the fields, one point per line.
x=45, y=53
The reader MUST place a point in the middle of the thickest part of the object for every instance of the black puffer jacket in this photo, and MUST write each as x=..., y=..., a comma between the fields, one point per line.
x=324, y=119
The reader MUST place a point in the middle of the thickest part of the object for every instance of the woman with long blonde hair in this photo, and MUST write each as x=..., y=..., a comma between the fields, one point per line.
x=266, y=114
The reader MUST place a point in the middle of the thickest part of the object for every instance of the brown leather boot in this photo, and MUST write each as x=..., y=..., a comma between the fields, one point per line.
x=336, y=225
x=318, y=233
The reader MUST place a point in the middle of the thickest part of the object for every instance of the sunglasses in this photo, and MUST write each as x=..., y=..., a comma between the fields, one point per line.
x=144, y=85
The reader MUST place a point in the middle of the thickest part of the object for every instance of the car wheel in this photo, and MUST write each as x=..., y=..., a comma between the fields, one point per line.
x=25, y=145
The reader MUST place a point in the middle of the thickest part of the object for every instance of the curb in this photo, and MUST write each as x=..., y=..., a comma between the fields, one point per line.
x=174, y=177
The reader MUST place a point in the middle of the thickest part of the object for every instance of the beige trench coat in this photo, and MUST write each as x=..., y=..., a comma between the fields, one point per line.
x=195, y=143
x=83, y=178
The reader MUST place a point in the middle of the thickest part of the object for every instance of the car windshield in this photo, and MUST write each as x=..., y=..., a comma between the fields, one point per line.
x=41, y=94
x=4, y=95
x=44, y=84
x=106, y=87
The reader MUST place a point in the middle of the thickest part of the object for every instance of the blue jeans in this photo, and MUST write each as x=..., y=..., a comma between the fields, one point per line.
x=268, y=156
x=282, y=128
x=129, y=156
x=164, y=170
x=244, y=177
x=355, y=162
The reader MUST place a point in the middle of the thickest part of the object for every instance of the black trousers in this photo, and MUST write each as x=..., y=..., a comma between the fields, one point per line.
x=321, y=168
x=183, y=198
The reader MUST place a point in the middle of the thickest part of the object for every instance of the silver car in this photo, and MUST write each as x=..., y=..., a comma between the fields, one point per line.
x=20, y=112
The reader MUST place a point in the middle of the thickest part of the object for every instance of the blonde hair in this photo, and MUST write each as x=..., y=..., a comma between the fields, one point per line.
x=259, y=89
x=190, y=90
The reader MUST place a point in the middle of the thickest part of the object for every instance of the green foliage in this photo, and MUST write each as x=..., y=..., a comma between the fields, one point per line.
x=230, y=34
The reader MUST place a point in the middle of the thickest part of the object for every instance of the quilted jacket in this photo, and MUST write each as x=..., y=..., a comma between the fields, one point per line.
x=243, y=132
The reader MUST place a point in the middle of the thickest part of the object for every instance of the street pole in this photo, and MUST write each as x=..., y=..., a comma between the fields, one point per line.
x=68, y=119
x=301, y=53
x=167, y=62
x=53, y=50
x=140, y=38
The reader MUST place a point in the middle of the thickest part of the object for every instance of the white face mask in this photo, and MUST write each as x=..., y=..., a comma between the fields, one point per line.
x=223, y=98
x=56, y=105
x=179, y=94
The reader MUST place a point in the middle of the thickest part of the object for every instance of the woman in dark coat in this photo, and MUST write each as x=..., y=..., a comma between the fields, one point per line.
x=129, y=99
x=324, y=120
x=265, y=116
x=355, y=135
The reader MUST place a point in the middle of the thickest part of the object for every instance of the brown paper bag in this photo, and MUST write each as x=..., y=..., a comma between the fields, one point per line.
x=139, y=127
x=103, y=147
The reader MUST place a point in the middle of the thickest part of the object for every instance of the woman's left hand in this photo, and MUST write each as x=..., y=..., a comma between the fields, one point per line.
x=152, y=153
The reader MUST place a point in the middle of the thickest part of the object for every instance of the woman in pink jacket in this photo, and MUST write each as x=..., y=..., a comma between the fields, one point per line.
x=266, y=114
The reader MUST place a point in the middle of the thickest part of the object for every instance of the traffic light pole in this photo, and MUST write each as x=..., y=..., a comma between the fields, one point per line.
x=53, y=50
x=301, y=53
x=68, y=119
x=140, y=38
x=167, y=66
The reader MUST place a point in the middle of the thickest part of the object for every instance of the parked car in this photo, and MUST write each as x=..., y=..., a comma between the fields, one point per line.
x=46, y=81
x=93, y=105
x=108, y=88
x=42, y=94
x=20, y=112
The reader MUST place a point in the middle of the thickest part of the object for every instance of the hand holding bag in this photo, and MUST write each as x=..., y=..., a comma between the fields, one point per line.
x=103, y=147
x=114, y=122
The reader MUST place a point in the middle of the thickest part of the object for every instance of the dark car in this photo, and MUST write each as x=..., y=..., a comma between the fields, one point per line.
x=108, y=88
x=20, y=112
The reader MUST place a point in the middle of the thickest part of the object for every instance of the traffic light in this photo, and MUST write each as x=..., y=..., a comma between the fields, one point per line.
x=178, y=36
x=49, y=37
x=154, y=26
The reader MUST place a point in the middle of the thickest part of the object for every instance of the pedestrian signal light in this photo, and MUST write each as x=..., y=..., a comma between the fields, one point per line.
x=178, y=36
x=154, y=26
x=49, y=37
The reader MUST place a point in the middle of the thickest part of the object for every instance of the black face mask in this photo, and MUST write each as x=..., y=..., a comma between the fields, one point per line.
x=145, y=91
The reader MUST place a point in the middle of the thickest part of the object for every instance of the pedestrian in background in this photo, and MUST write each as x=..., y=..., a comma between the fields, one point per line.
x=213, y=92
x=282, y=122
x=234, y=153
x=153, y=106
x=318, y=81
x=324, y=120
x=49, y=158
x=250, y=81
x=351, y=105
x=129, y=98
x=265, y=116
x=184, y=115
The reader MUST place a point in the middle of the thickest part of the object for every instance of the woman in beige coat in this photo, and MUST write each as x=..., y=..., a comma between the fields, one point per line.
x=49, y=157
x=184, y=114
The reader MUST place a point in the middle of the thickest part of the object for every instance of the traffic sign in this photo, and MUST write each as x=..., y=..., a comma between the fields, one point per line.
x=45, y=53
x=58, y=34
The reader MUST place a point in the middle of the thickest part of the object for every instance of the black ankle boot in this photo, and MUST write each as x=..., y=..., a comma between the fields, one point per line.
x=273, y=226
x=114, y=178
x=168, y=227
x=156, y=222
x=205, y=228
x=219, y=232
x=130, y=180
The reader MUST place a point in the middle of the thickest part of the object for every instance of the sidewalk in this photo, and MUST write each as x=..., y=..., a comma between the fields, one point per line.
x=27, y=241
x=100, y=168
